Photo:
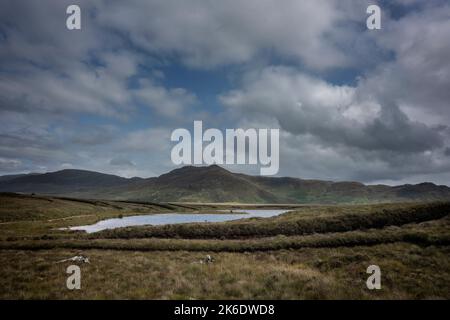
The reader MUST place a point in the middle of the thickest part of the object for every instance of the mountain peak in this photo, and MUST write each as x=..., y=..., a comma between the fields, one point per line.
x=215, y=167
x=196, y=169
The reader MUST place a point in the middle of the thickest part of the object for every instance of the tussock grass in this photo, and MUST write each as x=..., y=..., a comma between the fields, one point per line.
x=409, y=272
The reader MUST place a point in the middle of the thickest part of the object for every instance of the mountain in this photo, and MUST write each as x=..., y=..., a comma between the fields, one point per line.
x=14, y=176
x=61, y=182
x=201, y=184
x=215, y=184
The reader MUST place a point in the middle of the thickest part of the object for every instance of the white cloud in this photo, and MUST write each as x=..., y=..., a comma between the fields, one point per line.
x=340, y=134
x=172, y=103
x=206, y=34
x=419, y=75
x=9, y=164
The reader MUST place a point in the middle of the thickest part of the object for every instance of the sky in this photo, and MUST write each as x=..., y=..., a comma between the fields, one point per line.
x=350, y=103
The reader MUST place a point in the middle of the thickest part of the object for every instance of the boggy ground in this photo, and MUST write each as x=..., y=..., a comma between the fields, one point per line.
x=408, y=272
x=313, y=252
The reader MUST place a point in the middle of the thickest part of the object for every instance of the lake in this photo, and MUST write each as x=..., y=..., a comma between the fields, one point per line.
x=176, y=218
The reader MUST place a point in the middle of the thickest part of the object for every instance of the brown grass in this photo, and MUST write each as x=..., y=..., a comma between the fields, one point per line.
x=315, y=252
x=408, y=272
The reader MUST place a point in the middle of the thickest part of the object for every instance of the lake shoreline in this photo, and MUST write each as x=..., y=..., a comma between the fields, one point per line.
x=161, y=219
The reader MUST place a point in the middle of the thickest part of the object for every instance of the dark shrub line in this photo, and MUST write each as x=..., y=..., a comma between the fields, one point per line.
x=345, y=239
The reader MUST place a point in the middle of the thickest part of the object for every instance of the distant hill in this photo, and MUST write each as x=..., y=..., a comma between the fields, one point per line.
x=14, y=176
x=215, y=184
x=61, y=182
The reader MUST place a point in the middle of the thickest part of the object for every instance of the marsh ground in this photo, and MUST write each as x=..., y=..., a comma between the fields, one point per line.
x=313, y=252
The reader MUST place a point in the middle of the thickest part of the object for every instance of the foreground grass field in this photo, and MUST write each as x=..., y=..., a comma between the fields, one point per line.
x=312, y=252
x=409, y=272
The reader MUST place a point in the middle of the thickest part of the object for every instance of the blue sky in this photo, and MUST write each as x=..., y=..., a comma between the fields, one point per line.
x=350, y=103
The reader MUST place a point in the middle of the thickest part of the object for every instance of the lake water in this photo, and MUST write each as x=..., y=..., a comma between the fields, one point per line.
x=176, y=218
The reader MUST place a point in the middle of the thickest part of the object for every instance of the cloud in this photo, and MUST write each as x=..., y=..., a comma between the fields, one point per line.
x=9, y=164
x=84, y=90
x=121, y=162
x=90, y=136
x=337, y=126
x=334, y=114
x=47, y=68
x=208, y=34
x=351, y=103
x=418, y=77
x=70, y=97
x=172, y=103
x=392, y=125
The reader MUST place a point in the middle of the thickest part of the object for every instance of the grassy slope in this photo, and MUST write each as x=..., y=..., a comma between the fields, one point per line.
x=313, y=252
x=15, y=207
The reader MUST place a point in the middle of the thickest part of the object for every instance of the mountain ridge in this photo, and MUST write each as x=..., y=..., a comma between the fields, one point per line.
x=216, y=184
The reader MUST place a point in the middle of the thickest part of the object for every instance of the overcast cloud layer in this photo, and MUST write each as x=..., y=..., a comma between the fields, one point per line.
x=352, y=104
